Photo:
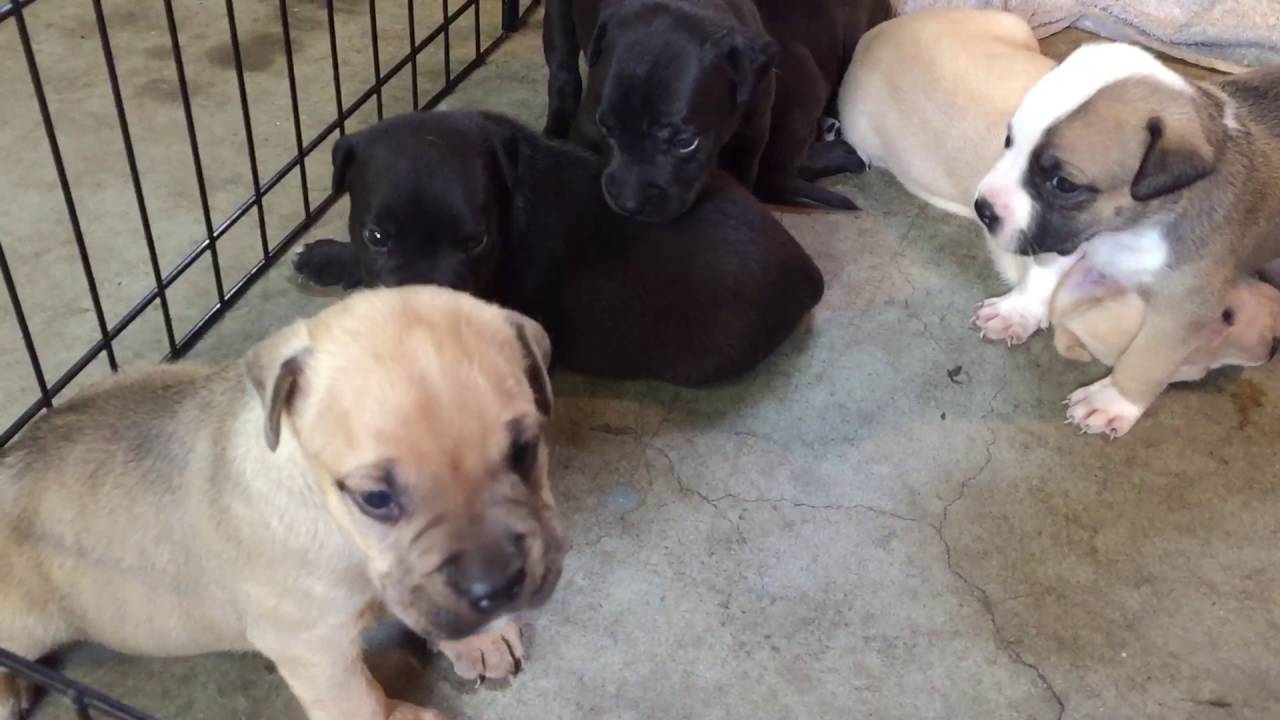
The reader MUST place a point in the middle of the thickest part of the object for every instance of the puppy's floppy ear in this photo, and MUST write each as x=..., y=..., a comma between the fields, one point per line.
x=1178, y=156
x=597, y=41
x=750, y=61
x=505, y=135
x=275, y=368
x=344, y=156
x=535, y=345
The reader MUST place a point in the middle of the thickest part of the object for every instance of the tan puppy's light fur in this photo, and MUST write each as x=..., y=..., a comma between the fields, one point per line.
x=928, y=96
x=191, y=509
x=1095, y=318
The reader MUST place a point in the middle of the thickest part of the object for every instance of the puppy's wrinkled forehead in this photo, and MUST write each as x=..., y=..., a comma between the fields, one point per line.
x=406, y=165
x=432, y=385
x=1074, y=82
x=664, y=73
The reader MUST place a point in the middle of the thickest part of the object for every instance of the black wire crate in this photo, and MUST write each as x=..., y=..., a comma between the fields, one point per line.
x=214, y=119
x=158, y=157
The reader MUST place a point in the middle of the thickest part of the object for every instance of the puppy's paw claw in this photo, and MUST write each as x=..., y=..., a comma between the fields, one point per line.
x=1011, y=318
x=493, y=655
x=1100, y=409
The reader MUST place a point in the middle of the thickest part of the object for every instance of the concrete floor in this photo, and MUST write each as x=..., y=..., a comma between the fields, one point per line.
x=887, y=521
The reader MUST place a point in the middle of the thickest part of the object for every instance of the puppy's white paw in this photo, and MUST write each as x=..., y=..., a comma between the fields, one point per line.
x=491, y=655
x=1100, y=408
x=397, y=710
x=1012, y=318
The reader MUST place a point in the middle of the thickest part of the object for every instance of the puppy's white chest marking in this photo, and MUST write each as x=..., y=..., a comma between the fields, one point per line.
x=1132, y=258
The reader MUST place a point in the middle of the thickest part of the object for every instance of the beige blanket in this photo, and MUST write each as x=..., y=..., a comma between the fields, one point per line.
x=1228, y=35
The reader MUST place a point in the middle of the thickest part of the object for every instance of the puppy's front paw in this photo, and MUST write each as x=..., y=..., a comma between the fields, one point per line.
x=1012, y=318
x=328, y=263
x=492, y=655
x=1100, y=408
x=397, y=710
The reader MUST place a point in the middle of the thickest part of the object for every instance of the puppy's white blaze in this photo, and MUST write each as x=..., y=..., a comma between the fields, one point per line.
x=1131, y=257
x=1059, y=93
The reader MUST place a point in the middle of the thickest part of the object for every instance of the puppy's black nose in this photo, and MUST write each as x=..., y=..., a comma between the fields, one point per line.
x=1275, y=348
x=986, y=214
x=490, y=579
x=628, y=205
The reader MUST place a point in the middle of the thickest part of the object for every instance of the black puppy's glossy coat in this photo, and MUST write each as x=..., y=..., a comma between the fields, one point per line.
x=673, y=67
x=477, y=202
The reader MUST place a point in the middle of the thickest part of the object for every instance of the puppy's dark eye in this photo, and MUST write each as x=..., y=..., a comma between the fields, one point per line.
x=523, y=456
x=375, y=238
x=380, y=504
x=1008, y=138
x=477, y=243
x=1063, y=185
x=687, y=144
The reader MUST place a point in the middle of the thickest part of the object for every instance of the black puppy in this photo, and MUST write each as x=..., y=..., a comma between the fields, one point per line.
x=680, y=86
x=677, y=86
x=477, y=202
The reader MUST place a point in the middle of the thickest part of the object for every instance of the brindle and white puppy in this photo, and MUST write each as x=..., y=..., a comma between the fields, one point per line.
x=385, y=454
x=1166, y=185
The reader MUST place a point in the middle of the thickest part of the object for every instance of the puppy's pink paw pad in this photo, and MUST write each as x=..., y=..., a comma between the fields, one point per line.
x=1100, y=409
x=1010, y=318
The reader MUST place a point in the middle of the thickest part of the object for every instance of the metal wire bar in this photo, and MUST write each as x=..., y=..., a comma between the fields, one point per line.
x=293, y=104
x=126, y=137
x=273, y=254
x=37, y=85
x=185, y=92
x=81, y=697
x=448, y=54
x=337, y=72
x=413, y=40
x=250, y=146
x=377, y=60
x=46, y=398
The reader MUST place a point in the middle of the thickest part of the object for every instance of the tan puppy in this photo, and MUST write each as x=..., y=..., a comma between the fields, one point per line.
x=928, y=97
x=1165, y=185
x=386, y=453
x=1095, y=318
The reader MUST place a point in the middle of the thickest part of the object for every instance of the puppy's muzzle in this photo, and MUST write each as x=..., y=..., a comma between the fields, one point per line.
x=642, y=200
x=987, y=214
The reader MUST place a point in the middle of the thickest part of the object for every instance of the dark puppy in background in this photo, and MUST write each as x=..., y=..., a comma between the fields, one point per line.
x=676, y=87
x=477, y=202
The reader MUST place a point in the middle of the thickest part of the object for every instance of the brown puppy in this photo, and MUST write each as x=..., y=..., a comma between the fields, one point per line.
x=386, y=453
x=1165, y=185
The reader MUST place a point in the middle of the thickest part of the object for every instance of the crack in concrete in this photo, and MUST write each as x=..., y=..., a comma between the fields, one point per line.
x=979, y=592
x=984, y=598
